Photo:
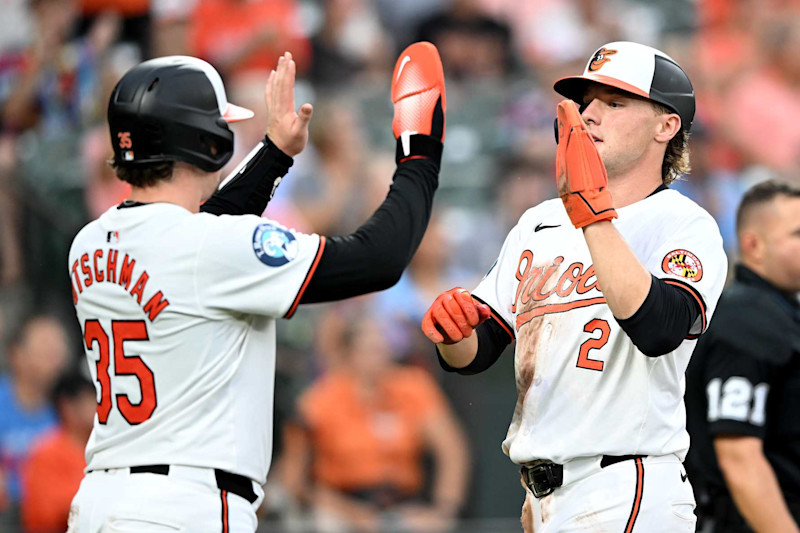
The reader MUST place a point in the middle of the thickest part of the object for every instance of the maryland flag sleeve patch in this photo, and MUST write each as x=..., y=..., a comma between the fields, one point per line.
x=684, y=264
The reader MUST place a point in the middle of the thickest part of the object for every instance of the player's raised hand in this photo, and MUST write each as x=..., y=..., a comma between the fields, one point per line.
x=420, y=103
x=287, y=128
x=580, y=174
x=453, y=316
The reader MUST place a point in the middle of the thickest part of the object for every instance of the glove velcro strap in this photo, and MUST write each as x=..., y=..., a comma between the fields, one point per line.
x=588, y=207
x=418, y=146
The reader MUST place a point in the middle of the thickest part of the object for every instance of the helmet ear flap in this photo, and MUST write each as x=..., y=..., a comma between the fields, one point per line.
x=211, y=146
x=154, y=133
x=216, y=149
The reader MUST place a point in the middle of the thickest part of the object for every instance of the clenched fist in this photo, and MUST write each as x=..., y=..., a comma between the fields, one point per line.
x=453, y=316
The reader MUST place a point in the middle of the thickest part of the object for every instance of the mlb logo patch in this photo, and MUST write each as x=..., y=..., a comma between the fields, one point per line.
x=112, y=237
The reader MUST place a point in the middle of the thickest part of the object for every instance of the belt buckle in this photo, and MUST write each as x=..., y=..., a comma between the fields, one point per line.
x=543, y=478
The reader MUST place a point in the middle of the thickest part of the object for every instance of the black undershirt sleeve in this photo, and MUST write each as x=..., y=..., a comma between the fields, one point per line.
x=492, y=340
x=664, y=319
x=373, y=257
x=253, y=182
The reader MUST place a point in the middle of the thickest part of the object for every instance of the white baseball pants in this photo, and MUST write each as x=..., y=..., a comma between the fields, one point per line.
x=648, y=495
x=185, y=500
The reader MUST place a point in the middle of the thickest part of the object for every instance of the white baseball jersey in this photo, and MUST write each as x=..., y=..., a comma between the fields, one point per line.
x=584, y=389
x=178, y=313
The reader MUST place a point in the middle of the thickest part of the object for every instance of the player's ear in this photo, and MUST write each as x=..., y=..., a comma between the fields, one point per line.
x=751, y=245
x=667, y=127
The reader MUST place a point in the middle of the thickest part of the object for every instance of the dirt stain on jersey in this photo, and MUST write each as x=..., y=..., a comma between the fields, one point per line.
x=537, y=283
x=591, y=521
x=544, y=507
x=545, y=290
x=525, y=360
x=527, y=517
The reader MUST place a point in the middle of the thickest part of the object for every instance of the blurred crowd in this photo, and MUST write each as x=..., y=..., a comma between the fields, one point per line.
x=369, y=431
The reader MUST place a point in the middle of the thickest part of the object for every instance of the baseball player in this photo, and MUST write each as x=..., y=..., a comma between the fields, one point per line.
x=178, y=307
x=605, y=291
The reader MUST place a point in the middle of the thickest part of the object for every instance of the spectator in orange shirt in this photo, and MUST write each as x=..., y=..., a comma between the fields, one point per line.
x=362, y=432
x=53, y=471
x=241, y=35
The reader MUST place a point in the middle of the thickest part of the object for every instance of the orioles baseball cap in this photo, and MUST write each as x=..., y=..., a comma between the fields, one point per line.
x=637, y=69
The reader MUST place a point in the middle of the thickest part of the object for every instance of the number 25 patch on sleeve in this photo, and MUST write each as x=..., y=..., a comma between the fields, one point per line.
x=683, y=263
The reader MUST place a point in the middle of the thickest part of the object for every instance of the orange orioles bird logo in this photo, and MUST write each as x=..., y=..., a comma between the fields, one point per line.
x=600, y=58
x=683, y=263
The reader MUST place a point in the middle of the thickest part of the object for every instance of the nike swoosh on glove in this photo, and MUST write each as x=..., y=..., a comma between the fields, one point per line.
x=420, y=102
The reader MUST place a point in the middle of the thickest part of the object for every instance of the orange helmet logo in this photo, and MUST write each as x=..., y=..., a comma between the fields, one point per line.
x=125, y=139
x=600, y=58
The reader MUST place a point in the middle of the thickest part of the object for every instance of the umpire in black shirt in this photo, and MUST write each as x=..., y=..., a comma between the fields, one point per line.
x=743, y=382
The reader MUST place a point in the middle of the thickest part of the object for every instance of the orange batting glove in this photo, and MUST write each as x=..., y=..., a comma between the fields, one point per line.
x=453, y=316
x=580, y=174
x=419, y=103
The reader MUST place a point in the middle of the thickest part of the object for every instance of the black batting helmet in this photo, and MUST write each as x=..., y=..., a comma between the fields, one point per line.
x=172, y=109
x=637, y=69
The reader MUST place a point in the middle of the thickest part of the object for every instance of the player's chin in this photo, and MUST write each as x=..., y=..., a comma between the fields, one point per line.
x=601, y=148
x=606, y=155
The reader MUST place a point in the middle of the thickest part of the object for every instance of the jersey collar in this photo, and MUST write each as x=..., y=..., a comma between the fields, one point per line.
x=130, y=203
x=660, y=188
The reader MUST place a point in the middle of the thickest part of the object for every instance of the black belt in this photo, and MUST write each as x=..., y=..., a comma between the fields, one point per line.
x=545, y=477
x=233, y=483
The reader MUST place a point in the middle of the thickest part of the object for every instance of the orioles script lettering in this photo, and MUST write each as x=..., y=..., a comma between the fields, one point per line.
x=537, y=283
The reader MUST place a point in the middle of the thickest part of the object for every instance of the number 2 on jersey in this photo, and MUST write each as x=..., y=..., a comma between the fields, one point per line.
x=124, y=365
x=583, y=355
